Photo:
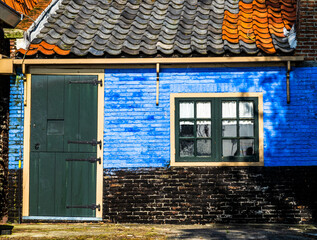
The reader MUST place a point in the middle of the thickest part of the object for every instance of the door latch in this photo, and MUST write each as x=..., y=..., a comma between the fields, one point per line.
x=92, y=82
x=94, y=142
x=91, y=206
x=91, y=160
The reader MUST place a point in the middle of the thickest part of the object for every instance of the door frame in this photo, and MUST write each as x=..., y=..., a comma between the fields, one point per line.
x=27, y=138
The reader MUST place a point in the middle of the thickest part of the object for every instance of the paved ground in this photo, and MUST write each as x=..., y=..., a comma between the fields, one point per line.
x=146, y=231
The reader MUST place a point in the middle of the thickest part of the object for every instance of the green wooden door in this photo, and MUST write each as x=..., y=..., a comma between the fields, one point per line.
x=63, y=112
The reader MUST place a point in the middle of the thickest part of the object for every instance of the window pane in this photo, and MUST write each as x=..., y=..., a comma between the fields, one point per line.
x=186, y=110
x=246, y=128
x=246, y=109
x=229, y=148
x=229, y=109
x=203, y=147
x=229, y=128
x=186, y=129
x=203, y=129
x=186, y=148
x=246, y=147
x=203, y=110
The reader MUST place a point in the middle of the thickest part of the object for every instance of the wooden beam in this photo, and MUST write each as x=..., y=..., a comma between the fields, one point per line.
x=135, y=61
x=6, y=66
x=100, y=129
x=3, y=56
x=26, y=148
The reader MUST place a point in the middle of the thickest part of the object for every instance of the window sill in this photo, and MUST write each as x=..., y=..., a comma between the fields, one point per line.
x=215, y=164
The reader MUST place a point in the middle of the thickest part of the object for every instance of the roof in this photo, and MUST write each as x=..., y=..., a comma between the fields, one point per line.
x=33, y=14
x=152, y=27
x=22, y=6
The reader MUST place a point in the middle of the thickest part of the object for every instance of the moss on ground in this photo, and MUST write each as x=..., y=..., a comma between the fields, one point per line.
x=86, y=231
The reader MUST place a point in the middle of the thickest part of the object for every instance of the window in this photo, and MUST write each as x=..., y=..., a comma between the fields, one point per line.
x=216, y=129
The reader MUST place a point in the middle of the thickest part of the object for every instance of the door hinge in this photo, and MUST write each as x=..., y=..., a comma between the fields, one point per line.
x=92, y=82
x=94, y=142
x=91, y=160
x=91, y=206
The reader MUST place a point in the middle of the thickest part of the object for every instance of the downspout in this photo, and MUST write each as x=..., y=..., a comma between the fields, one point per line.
x=287, y=82
x=157, y=83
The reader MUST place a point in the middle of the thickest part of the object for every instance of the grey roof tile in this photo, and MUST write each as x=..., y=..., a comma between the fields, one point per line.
x=113, y=27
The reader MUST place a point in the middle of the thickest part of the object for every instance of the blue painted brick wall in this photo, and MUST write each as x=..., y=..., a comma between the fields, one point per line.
x=137, y=132
x=15, y=122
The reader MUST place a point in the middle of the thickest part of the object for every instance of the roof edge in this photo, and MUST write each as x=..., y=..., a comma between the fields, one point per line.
x=134, y=61
x=37, y=25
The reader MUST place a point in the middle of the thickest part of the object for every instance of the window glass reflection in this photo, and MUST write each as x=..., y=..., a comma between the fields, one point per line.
x=245, y=109
x=186, y=129
x=186, y=148
x=246, y=147
x=229, y=109
x=229, y=128
x=229, y=147
x=203, y=110
x=186, y=110
x=203, y=129
x=246, y=128
x=203, y=148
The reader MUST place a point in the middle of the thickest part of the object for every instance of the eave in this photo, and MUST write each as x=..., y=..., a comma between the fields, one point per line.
x=7, y=65
x=77, y=63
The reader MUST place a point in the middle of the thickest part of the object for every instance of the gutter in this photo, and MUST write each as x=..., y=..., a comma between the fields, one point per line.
x=136, y=61
x=7, y=65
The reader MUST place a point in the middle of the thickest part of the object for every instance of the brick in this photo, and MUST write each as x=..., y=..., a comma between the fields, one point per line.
x=138, y=143
x=306, y=35
x=278, y=197
x=4, y=132
x=16, y=123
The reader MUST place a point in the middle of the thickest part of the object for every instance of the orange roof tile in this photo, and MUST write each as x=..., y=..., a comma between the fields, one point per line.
x=34, y=14
x=45, y=48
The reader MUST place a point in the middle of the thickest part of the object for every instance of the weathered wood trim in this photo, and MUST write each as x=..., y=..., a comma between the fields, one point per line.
x=100, y=124
x=26, y=147
x=6, y=65
x=172, y=127
x=137, y=61
x=61, y=71
x=32, y=68
x=214, y=95
x=261, y=128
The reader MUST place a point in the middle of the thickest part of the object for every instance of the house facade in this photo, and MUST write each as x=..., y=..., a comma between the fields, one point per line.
x=167, y=112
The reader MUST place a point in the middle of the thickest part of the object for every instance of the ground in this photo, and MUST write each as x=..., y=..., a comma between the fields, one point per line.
x=94, y=231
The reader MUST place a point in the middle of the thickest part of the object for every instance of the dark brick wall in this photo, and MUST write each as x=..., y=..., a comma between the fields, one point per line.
x=306, y=33
x=14, y=195
x=209, y=195
x=202, y=195
x=4, y=126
